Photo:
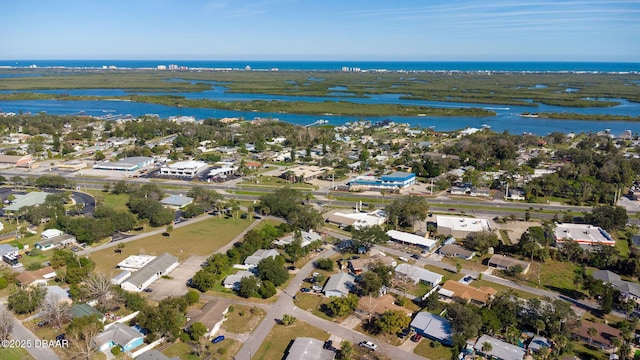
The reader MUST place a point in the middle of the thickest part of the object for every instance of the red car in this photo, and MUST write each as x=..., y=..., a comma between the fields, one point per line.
x=416, y=337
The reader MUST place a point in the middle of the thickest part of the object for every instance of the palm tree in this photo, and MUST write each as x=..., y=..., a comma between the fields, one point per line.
x=592, y=332
x=486, y=347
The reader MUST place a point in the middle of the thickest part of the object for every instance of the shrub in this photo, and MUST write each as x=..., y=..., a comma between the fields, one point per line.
x=116, y=350
x=3, y=282
x=192, y=297
x=222, y=351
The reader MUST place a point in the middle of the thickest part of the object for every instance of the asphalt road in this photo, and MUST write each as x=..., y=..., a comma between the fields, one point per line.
x=20, y=332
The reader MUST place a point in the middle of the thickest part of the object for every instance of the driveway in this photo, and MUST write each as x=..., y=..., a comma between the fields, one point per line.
x=176, y=286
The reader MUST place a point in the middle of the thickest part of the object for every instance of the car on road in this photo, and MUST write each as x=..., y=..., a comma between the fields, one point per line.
x=305, y=290
x=468, y=279
x=415, y=256
x=416, y=337
x=148, y=290
x=368, y=345
x=452, y=209
x=217, y=339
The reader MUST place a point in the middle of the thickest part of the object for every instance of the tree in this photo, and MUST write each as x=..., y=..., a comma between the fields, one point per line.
x=407, y=210
x=391, y=322
x=607, y=217
x=54, y=311
x=197, y=330
x=592, y=332
x=203, y=280
x=486, y=347
x=294, y=249
x=98, y=286
x=287, y=320
x=267, y=289
x=6, y=325
x=368, y=236
x=26, y=301
x=346, y=350
x=339, y=306
x=481, y=241
x=248, y=287
x=273, y=269
x=370, y=283
x=81, y=332
x=192, y=297
x=324, y=264
x=169, y=230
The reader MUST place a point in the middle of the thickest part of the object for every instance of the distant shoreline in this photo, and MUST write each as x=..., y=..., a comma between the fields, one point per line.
x=331, y=66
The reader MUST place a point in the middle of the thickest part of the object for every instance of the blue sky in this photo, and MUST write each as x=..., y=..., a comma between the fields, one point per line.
x=424, y=30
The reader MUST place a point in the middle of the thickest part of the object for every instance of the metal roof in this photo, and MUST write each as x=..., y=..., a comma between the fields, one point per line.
x=304, y=348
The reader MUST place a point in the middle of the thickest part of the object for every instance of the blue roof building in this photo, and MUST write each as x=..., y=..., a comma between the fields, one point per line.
x=395, y=181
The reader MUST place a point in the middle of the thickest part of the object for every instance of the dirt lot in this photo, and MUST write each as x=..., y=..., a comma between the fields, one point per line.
x=515, y=229
x=176, y=286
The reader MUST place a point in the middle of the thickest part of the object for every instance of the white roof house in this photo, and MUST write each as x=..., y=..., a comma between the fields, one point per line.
x=304, y=348
x=459, y=226
x=307, y=238
x=339, y=284
x=418, y=274
x=51, y=233
x=259, y=255
x=160, y=266
x=233, y=281
x=584, y=234
x=411, y=239
x=500, y=350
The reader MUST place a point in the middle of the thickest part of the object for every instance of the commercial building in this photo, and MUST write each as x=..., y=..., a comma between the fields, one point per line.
x=160, y=266
x=71, y=166
x=459, y=227
x=127, y=164
x=222, y=170
x=176, y=201
x=395, y=181
x=135, y=262
x=28, y=199
x=433, y=327
x=584, y=234
x=304, y=173
x=357, y=220
x=22, y=161
x=408, y=238
x=188, y=169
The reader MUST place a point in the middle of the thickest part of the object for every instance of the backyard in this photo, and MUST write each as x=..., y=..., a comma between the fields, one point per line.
x=278, y=340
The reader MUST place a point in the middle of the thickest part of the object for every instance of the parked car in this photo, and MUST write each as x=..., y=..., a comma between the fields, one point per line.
x=310, y=280
x=369, y=345
x=403, y=334
x=148, y=290
x=305, y=290
x=217, y=339
x=416, y=337
x=317, y=288
x=61, y=337
x=415, y=256
x=328, y=345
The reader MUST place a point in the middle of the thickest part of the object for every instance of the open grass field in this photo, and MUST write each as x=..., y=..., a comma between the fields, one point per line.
x=502, y=288
x=274, y=346
x=117, y=202
x=554, y=275
x=427, y=349
x=224, y=350
x=200, y=238
x=243, y=319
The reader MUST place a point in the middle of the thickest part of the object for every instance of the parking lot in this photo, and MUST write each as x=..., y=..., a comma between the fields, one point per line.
x=177, y=285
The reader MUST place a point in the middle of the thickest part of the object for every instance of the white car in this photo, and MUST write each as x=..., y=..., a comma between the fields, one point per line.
x=369, y=345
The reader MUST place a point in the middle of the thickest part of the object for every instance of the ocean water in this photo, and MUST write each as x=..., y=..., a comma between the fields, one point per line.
x=339, y=64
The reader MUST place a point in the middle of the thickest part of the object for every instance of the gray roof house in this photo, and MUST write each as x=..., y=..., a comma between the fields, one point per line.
x=304, y=348
x=606, y=276
x=418, y=274
x=154, y=354
x=339, y=284
x=118, y=334
x=453, y=250
x=307, y=238
x=500, y=350
x=176, y=201
x=259, y=255
x=6, y=249
x=628, y=290
x=433, y=327
x=233, y=281
x=160, y=266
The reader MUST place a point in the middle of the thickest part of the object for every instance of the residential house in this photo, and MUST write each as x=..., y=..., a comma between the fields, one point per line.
x=498, y=349
x=603, y=339
x=81, y=310
x=503, y=262
x=261, y=254
x=456, y=290
x=417, y=240
x=453, y=250
x=160, y=266
x=418, y=274
x=433, y=327
x=304, y=348
x=118, y=334
x=358, y=266
x=628, y=290
x=36, y=277
x=233, y=281
x=307, y=238
x=53, y=238
x=6, y=249
x=211, y=315
x=339, y=285
x=538, y=343
x=516, y=194
x=57, y=294
x=154, y=354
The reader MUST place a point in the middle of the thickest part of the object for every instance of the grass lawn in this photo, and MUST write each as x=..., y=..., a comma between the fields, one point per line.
x=474, y=264
x=446, y=275
x=427, y=349
x=117, y=202
x=243, y=319
x=312, y=302
x=275, y=344
x=502, y=288
x=14, y=354
x=200, y=238
x=224, y=350
x=582, y=351
x=554, y=275
x=623, y=247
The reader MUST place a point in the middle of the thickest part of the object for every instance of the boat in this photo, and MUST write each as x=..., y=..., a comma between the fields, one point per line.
x=529, y=115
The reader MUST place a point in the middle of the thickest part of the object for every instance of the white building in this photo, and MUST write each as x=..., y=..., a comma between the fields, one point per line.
x=183, y=169
x=339, y=285
x=583, y=234
x=135, y=262
x=458, y=226
x=160, y=266
x=418, y=274
x=307, y=238
x=412, y=239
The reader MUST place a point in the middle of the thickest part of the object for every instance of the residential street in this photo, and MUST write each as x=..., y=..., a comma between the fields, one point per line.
x=19, y=332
